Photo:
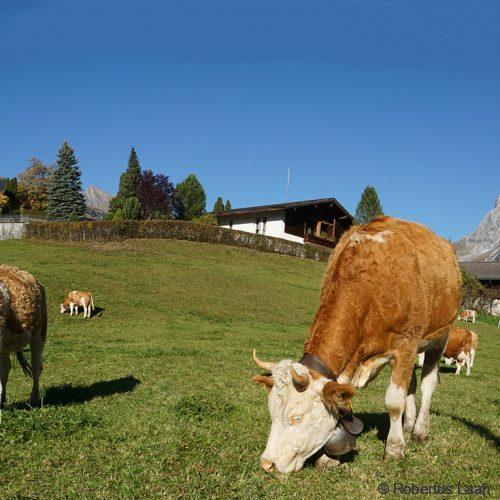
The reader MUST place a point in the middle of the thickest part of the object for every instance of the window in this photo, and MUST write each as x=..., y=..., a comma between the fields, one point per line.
x=257, y=225
x=230, y=224
x=264, y=222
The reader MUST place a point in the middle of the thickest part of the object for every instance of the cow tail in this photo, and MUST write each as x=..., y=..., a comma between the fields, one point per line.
x=24, y=364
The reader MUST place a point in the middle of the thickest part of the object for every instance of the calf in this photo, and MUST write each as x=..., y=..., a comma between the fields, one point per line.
x=461, y=347
x=391, y=289
x=23, y=321
x=75, y=299
x=466, y=314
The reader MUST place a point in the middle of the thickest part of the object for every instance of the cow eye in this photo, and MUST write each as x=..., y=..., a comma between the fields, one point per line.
x=296, y=419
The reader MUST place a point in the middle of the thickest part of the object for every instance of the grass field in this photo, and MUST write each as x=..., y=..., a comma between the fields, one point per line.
x=153, y=395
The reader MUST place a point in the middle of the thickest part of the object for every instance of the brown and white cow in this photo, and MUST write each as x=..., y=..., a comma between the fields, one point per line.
x=467, y=314
x=75, y=299
x=391, y=290
x=461, y=347
x=23, y=321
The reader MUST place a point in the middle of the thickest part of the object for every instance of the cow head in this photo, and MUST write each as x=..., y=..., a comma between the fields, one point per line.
x=304, y=409
x=64, y=307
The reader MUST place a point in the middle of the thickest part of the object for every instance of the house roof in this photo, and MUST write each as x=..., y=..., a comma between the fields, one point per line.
x=483, y=270
x=285, y=206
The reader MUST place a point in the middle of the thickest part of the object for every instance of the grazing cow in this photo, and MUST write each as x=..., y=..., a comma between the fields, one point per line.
x=391, y=290
x=75, y=299
x=23, y=321
x=461, y=347
x=466, y=314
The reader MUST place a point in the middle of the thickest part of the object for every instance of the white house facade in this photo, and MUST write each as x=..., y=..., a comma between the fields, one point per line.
x=314, y=221
x=270, y=224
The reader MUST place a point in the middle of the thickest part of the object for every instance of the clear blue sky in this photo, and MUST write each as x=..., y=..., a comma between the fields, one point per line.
x=404, y=95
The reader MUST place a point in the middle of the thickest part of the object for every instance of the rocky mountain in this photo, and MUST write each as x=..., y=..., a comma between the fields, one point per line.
x=97, y=201
x=483, y=245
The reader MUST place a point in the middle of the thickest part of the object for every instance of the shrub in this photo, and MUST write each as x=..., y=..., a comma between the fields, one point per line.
x=117, y=230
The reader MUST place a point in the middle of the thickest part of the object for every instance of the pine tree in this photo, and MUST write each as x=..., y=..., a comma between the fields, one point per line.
x=228, y=206
x=190, y=198
x=73, y=217
x=118, y=215
x=368, y=207
x=65, y=190
x=132, y=209
x=129, y=185
x=219, y=205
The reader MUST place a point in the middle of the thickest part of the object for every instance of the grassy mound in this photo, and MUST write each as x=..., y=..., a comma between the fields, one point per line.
x=153, y=395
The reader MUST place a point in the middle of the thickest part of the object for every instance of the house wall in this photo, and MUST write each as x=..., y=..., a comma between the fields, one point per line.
x=275, y=225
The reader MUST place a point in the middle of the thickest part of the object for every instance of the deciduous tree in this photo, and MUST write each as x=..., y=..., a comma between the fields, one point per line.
x=190, y=198
x=156, y=194
x=33, y=185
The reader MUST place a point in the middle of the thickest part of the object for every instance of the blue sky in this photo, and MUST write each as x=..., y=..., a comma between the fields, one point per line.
x=403, y=95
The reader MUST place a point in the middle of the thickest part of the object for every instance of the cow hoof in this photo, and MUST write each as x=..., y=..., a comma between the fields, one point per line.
x=325, y=463
x=419, y=437
x=35, y=403
x=394, y=454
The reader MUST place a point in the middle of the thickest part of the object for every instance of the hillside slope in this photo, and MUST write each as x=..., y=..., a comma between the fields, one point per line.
x=153, y=395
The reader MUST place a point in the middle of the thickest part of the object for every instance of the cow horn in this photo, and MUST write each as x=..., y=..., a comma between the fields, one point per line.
x=265, y=365
x=301, y=382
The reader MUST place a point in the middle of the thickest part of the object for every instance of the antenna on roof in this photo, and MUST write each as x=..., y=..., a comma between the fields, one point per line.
x=287, y=185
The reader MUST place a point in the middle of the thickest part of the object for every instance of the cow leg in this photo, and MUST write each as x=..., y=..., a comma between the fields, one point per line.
x=420, y=359
x=36, y=346
x=459, y=367
x=411, y=406
x=472, y=356
x=430, y=373
x=84, y=311
x=4, y=375
x=467, y=364
x=395, y=401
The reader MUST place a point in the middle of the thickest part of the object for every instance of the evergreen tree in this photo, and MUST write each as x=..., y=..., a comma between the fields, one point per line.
x=228, y=206
x=130, y=182
x=11, y=185
x=65, y=190
x=218, y=205
x=73, y=217
x=132, y=209
x=368, y=207
x=190, y=198
x=118, y=215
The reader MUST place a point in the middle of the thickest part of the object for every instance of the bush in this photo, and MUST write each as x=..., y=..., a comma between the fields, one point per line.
x=170, y=229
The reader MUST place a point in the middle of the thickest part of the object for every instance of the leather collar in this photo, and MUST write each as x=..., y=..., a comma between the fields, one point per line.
x=317, y=364
x=348, y=421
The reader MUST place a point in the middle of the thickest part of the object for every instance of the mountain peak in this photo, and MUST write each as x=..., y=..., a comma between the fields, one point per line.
x=482, y=245
x=97, y=200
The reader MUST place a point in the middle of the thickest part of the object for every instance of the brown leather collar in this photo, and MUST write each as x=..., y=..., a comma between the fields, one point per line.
x=317, y=364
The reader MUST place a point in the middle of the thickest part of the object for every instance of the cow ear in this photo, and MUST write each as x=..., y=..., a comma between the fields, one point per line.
x=337, y=395
x=264, y=380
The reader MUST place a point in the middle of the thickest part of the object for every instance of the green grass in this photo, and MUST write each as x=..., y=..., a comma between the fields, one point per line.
x=153, y=395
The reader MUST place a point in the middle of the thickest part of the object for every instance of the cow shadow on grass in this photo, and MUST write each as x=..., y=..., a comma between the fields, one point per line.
x=378, y=421
x=483, y=431
x=97, y=312
x=69, y=394
x=447, y=369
